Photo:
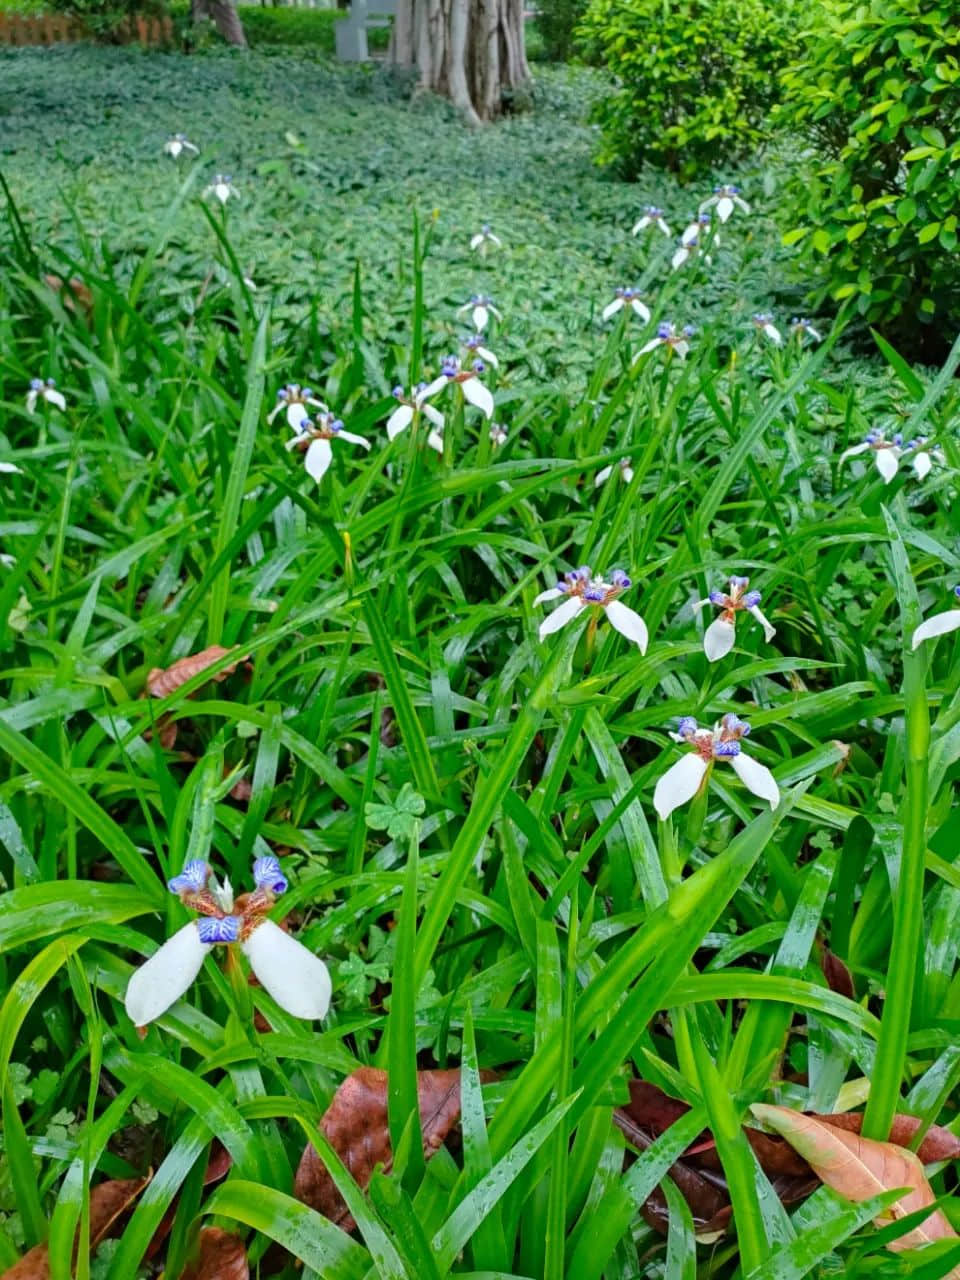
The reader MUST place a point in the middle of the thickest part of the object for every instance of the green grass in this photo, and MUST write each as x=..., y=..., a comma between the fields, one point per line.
x=536, y=919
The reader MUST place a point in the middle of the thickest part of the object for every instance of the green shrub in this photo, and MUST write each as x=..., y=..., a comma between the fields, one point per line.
x=288, y=27
x=875, y=216
x=556, y=22
x=105, y=18
x=696, y=78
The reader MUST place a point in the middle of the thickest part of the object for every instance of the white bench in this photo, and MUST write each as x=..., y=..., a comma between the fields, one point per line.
x=351, y=32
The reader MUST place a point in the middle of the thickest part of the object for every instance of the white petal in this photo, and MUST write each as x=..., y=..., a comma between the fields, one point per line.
x=353, y=439
x=769, y=630
x=813, y=334
x=628, y=623
x=602, y=474
x=922, y=465
x=432, y=415
x=32, y=401
x=756, y=777
x=741, y=204
x=552, y=593
x=190, y=147
x=718, y=639
x=496, y=239
x=648, y=347
x=478, y=395
x=563, y=614
x=938, y=625
x=611, y=308
x=318, y=458
x=55, y=398
x=664, y=227
x=495, y=310
x=165, y=976
x=296, y=413
x=640, y=310
x=480, y=318
x=690, y=234
x=627, y=473
x=639, y=226
x=274, y=411
x=466, y=307
x=10, y=468
x=724, y=208
x=679, y=784
x=435, y=441
x=431, y=389
x=679, y=258
x=852, y=452
x=681, y=348
x=476, y=241
x=888, y=464
x=399, y=420
x=316, y=404
x=296, y=978
x=773, y=333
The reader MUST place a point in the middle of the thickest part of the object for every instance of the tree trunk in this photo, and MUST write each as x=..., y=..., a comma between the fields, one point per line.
x=225, y=16
x=470, y=51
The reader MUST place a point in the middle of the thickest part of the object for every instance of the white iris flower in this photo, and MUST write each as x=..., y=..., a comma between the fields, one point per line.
x=651, y=217
x=583, y=591
x=763, y=323
x=410, y=408
x=886, y=453
x=296, y=401
x=623, y=468
x=45, y=391
x=312, y=438
x=801, y=327
x=178, y=145
x=667, y=336
x=719, y=637
x=296, y=978
x=689, y=775
x=222, y=188
x=724, y=200
x=626, y=298
x=468, y=380
x=474, y=345
x=481, y=308
x=484, y=238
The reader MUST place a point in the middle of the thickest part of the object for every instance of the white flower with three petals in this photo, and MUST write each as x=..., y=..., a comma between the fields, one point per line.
x=763, y=323
x=651, y=217
x=468, y=380
x=937, y=625
x=178, y=144
x=684, y=779
x=667, y=336
x=724, y=200
x=296, y=401
x=624, y=468
x=801, y=327
x=886, y=453
x=481, y=308
x=296, y=978
x=222, y=188
x=45, y=391
x=583, y=591
x=624, y=297
x=719, y=637
x=474, y=344
x=312, y=438
x=409, y=410
x=484, y=238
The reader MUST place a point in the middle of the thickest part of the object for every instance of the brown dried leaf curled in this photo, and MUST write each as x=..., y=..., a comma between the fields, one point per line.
x=108, y=1201
x=859, y=1168
x=355, y=1124
x=222, y=1256
x=162, y=681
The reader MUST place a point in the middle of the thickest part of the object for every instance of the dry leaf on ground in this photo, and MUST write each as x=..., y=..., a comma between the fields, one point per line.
x=222, y=1256
x=162, y=681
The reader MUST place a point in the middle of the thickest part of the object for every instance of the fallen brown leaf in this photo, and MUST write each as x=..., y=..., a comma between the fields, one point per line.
x=222, y=1256
x=937, y=1143
x=859, y=1168
x=71, y=292
x=355, y=1125
x=837, y=974
x=108, y=1201
x=162, y=681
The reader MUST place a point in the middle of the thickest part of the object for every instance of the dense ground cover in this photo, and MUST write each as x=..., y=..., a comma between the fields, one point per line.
x=512, y=902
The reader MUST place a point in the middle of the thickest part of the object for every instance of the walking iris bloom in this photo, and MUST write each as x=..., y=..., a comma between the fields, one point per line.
x=667, y=336
x=178, y=144
x=498, y=435
x=312, y=439
x=763, y=323
x=484, y=238
x=294, y=399
x=583, y=591
x=725, y=199
x=222, y=187
x=886, y=453
x=468, y=380
x=688, y=776
x=45, y=391
x=626, y=298
x=924, y=456
x=409, y=409
x=481, y=308
x=938, y=625
x=474, y=344
x=801, y=327
x=296, y=978
x=719, y=637
x=623, y=466
x=652, y=217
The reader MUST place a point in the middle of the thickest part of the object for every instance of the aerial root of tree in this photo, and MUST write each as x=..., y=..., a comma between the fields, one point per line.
x=470, y=51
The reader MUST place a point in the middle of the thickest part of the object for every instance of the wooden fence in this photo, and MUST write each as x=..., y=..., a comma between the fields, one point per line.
x=55, y=28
